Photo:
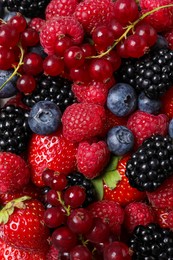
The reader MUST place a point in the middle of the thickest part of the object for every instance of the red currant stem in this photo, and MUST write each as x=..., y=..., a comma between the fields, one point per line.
x=67, y=208
x=84, y=242
x=128, y=28
x=15, y=68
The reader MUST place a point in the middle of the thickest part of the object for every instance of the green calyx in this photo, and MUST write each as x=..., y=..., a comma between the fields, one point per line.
x=8, y=209
x=110, y=177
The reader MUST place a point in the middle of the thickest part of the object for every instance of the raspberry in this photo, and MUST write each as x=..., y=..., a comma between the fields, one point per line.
x=93, y=92
x=61, y=8
x=169, y=38
x=160, y=20
x=83, y=121
x=94, y=13
x=59, y=27
x=137, y=213
x=36, y=23
x=92, y=158
x=143, y=125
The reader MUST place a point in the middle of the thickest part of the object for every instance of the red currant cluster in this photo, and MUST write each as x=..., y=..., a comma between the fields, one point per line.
x=74, y=229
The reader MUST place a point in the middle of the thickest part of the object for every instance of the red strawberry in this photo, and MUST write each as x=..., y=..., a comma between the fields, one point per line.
x=58, y=27
x=93, y=13
x=161, y=217
x=8, y=252
x=52, y=151
x=22, y=224
x=122, y=192
x=14, y=172
x=137, y=213
x=82, y=121
x=92, y=158
x=61, y=8
x=93, y=92
x=144, y=125
x=162, y=197
x=169, y=37
x=29, y=190
x=167, y=103
x=160, y=20
x=110, y=212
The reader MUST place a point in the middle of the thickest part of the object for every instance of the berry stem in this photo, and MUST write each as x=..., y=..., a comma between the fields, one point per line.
x=15, y=68
x=67, y=208
x=128, y=28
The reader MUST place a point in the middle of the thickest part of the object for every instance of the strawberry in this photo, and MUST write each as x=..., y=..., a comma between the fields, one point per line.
x=8, y=252
x=144, y=125
x=52, y=151
x=167, y=103
x=61, y=8
x=137, y=213
x=161, y=217
x=162, y=197
x=160, y=20
x=110, y=212
x=92, y=158
x=22, y=224
x=14, y=172
x=94, y=13
x=57, y=27
x=121, y=191
x=82, y=121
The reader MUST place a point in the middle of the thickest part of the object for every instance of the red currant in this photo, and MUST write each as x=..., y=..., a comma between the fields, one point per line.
x=80, y=252
x=114, y=58
x=136, y=46
x=117, y=251
x=9, y=36
x=116, y=28
x=33, y=64
x=74, y=57
x=74, y=196
x=62, y=44
x=29, y=37
x=80, y=74
x=54, y=217
x=19, y=22
x=58, y=182
x=100, y=69
x=147, y=32
x=7, y=58
x=103, y=38
x=88, y=49
x=52, y=198
x=47, y=176
x=53, y=65
x=26, y=84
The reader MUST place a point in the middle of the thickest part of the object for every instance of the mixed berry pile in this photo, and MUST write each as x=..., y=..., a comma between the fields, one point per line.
x=86, y=130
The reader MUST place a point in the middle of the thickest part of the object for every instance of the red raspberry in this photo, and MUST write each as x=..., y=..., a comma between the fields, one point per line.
x=137, y=213
x=160, y=20
x=83, y=121
x=110, y=212
x=94, y=13
x=14, y=172
x=143, y=125
x=92, y=158
x=61, y=8
x=59, y=27
x=93, y=92
x=164, y=217
x=169, y=38
x=36, y=23
x=162, y=197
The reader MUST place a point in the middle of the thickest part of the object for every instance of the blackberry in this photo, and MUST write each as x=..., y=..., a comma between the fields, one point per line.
x=152, y=74
x=79, y=179
x=151, y=242
x=14, y=129
x=55, y=89
x=28, y=8
x=151, y=164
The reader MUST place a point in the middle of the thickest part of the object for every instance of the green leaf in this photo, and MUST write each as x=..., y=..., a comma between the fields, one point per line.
x=111, y=178
x=112, y=164
x=98, y=185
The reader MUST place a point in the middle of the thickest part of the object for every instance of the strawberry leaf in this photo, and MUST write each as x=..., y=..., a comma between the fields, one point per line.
x=111, y=178
x=112, y=164
x=98, y=185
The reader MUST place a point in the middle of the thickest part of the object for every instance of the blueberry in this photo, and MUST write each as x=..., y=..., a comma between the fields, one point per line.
x=161, y=43
x=170, y=128
x=148, y=105
x=9, y=88
x=9, y=15
x=39, y=50
x=122, y=99
x=44, y=117
x=120, y=140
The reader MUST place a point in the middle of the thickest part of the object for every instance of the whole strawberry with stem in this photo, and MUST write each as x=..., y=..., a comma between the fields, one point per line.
x=22, y=224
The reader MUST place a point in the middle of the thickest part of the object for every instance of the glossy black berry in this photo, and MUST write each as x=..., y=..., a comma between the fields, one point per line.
x=151, y=164
x=151, y=242
x=79, y=179
x=14, y=129
x=55, y=89
x=29, y=8
x=151, y=74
